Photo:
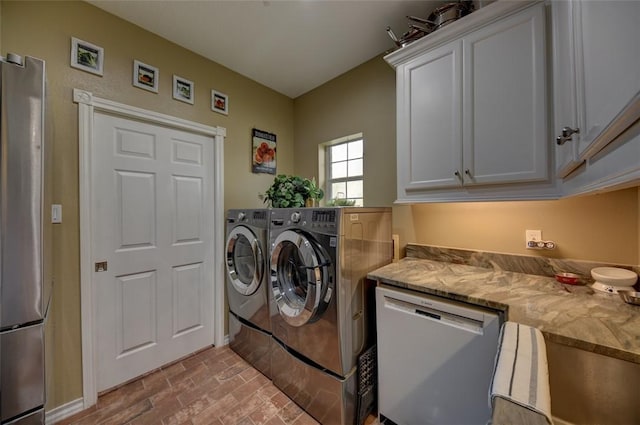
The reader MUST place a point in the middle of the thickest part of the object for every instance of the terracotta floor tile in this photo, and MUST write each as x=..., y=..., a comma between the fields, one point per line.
x=268, y=391
x=276, y=421
x=213, y=392
x=213, y=387
x=212, y=413
x=264, y=413
x=280, y=400
x=128, y=414
x=305, y=419
x=290, y=412
x=197, y=369
x=187, y=412
x=249, y=374
x=245, y=421
x=155, y=415
x=248, y=388
x=235, y=414
x=233, y=370
x=175, y=368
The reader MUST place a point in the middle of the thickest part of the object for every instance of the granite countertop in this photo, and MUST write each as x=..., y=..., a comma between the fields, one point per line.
x=570, y=315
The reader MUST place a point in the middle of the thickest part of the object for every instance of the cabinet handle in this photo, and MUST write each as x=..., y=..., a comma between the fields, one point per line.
x=458, y=175
x=567, y=132
x=467, y=172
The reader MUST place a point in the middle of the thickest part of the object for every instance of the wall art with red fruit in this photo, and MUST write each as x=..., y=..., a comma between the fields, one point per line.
x=263, y=152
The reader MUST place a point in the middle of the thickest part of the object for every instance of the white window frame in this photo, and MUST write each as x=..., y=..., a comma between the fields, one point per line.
x=327, y=168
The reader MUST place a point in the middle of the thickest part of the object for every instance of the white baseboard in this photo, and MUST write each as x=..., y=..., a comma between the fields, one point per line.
x=62, y=412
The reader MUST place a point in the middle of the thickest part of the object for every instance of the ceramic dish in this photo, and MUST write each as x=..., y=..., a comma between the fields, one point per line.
x=570, y=278
x=614, y=276
x=630, y=297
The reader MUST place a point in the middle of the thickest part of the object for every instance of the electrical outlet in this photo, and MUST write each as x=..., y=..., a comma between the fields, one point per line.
x=532, y=236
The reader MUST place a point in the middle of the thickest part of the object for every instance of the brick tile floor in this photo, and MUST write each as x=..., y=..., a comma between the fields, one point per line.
x=212, y=387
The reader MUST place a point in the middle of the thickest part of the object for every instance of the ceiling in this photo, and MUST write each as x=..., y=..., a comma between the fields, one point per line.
x=289, y=46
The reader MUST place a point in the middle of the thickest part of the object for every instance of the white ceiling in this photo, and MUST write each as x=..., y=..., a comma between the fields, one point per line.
x=289, y=46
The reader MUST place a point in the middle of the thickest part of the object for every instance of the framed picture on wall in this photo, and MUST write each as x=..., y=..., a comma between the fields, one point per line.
x=263, y=152
x=86, y=56
x=219, y=102
x=182, y=89
x=145, y=76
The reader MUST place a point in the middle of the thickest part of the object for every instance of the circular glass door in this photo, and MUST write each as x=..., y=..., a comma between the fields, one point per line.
x=245, y=261
x=299, y=278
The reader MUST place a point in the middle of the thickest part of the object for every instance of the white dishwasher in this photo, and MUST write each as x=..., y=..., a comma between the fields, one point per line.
x=435, y=359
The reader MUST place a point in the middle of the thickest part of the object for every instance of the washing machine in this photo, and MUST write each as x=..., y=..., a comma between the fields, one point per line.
x=319, y=261
x=247, y=281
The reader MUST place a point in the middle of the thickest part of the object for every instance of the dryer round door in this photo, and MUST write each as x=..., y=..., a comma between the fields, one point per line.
x=245, y=260
x=300, y=278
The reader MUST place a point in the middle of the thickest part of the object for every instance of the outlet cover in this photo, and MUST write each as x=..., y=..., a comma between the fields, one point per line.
x=532, y=235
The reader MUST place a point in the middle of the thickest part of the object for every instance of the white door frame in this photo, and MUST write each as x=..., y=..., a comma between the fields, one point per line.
x=87, y=106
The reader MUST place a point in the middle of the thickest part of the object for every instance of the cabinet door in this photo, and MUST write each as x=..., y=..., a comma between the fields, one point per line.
x=564, y=87
x=429, y=120
x=505, y=132
x=608, y=65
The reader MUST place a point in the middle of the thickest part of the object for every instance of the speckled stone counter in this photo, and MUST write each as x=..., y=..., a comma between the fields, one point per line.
x=570, y=315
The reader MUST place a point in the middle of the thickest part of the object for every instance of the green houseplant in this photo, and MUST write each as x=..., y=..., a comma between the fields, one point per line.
x=292, y=191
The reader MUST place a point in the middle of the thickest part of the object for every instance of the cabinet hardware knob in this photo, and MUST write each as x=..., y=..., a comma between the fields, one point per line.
x=567, y=132
x=467, y=172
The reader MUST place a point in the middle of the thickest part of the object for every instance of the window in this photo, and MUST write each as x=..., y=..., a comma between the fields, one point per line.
x=344, y=171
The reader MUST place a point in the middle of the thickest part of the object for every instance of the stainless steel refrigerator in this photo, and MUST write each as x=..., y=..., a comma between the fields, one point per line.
x=24, y=289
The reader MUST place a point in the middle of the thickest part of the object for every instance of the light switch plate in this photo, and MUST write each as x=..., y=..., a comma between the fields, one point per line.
x=56, y=213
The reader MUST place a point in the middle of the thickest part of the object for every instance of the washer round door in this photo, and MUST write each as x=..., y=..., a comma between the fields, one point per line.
x=300, y=278
x=245, y=260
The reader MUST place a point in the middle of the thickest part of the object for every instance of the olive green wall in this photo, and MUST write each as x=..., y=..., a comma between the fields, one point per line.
x=360, y=101
x=601, y=227
x=604, y=227
x=44, y=30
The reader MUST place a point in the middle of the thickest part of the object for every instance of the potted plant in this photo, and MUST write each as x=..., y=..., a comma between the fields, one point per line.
x=292, y=191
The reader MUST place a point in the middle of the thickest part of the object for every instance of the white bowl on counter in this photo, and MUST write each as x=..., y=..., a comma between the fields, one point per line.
x=613, y=279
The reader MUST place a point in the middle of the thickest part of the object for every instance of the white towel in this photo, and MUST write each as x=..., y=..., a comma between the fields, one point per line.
x=521, y=372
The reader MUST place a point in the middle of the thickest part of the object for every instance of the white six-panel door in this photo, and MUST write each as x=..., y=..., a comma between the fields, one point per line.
x=152, y=213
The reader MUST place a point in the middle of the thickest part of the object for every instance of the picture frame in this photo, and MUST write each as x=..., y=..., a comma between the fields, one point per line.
x=183, y=89
x=219, y=102
x=263, y=151
x=145, y=76
x=87, y=56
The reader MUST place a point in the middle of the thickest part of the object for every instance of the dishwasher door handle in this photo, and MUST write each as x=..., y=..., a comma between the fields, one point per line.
x=446, y=319
x=428, y=314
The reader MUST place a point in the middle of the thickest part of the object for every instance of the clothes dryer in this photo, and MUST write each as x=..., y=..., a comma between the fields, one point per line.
x=319, y=261
x=247, y=285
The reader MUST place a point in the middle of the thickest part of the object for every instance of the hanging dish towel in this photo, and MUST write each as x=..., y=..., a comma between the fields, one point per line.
x=521, y=373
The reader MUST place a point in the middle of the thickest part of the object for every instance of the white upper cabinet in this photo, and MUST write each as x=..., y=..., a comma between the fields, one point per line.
x=430, y=119
x=597, y=76
x=505, y=125
x=472, y=108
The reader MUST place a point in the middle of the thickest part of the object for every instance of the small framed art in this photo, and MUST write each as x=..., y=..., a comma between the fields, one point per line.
x=145, y=76
x=86, y=56
x=263, y=152
x=182, y=89
x=219, y=102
